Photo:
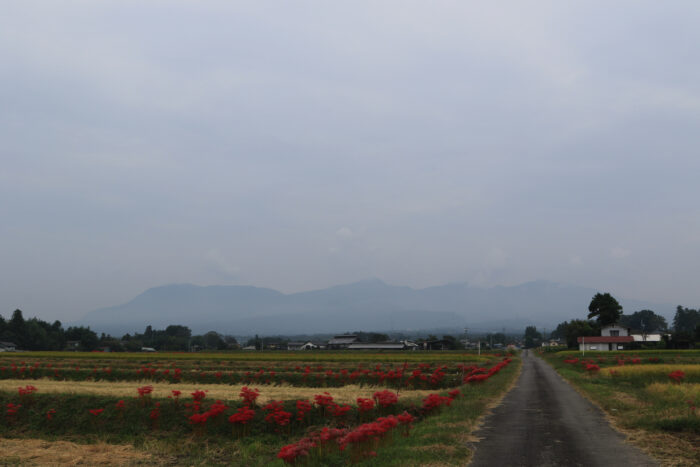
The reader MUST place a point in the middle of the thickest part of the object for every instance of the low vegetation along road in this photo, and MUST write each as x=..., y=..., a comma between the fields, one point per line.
x=543, y=421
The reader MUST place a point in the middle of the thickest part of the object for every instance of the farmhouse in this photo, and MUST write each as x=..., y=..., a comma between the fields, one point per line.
x=612, y=337
x=342, y=341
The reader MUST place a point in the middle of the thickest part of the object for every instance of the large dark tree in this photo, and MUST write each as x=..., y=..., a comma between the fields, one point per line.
x=605, y=309
x=572, y=330
x=532, y=337
x=685, y=325
x=645, y=320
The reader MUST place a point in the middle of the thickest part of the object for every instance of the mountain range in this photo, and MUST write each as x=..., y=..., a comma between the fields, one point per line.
x=368, y=305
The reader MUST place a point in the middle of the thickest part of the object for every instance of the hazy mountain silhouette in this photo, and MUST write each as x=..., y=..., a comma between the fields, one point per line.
x=365, y=305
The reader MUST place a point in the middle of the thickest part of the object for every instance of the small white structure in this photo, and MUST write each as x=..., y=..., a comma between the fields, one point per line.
x=7, y=347
x=301, y=346
x=656, y=337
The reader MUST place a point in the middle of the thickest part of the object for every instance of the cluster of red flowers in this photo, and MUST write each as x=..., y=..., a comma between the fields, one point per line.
x=200, y=418
x=325, y=401
x=28, y=390
x=433, y=401
x=155, y=412
x=276, y=413
x=249, y=396
x=677, y=376
x=303, y=407
x=12, y=409
x=242, y=416
x=385, y=398
x=363, y=439
x=365, y=404
x=479, y=375
x=293, y=452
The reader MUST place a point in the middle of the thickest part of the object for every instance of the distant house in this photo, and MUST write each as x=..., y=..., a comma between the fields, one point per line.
x=308, y=345
x=341, y=342
x=147, y=349
x=612, y=337
x=439, y=344
x=249, y=347
x=552, y=343
x=72, y=345
x=7, y=347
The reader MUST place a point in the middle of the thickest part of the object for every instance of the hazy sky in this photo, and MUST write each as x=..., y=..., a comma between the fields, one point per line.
x=302, y=144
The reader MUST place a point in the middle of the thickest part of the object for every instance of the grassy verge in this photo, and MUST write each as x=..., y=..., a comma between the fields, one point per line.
x=658, y=416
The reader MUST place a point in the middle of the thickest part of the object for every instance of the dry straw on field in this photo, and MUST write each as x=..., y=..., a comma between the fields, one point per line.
x=345, y=394
x=44, y=453
x=690, y=370
x=675, y=392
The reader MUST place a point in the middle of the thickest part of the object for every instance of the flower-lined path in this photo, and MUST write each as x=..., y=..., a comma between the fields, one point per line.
x=543, y=421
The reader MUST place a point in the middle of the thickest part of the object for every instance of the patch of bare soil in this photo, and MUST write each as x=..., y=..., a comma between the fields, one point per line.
x=50, y=453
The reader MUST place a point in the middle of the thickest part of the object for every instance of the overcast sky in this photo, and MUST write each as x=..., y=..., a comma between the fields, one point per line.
x=302, y=144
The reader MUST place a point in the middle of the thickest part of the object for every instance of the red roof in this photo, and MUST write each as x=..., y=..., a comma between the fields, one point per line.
x=606, y=339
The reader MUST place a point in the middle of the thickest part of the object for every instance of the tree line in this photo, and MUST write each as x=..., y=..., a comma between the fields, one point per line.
x=36, y=334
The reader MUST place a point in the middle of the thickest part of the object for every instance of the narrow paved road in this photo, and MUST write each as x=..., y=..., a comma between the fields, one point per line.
x=543, y=421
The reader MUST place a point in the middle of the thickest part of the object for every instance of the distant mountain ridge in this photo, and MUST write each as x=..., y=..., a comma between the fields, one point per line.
x=365, y=305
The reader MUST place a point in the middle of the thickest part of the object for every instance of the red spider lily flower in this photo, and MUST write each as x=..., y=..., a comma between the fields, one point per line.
x=145, y=391
x=27, y=390
x=50, y=413
x=290, y=453
x=198, y=418
x=434, y=401
x=385, y=398
x=243, y=415
x=216, y=409
x=340, y=411
x=405, y=418
x=323, y=400
x=248, y=395
x=677, y=376
x=96, y=412
x=365, y=404
x=198, y=396
x=454, y=394
x=276, y=413
x=591, y=368
x=303, y=407
x=12, y=408
x=119, y=405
